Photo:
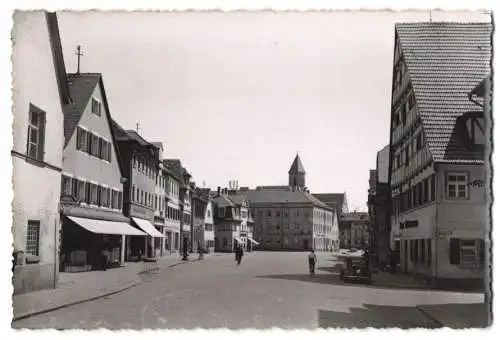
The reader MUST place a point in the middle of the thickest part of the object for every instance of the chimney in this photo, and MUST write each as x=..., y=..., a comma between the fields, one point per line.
x=218, y=191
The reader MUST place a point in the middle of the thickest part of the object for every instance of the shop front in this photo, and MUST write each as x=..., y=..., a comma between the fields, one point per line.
x=92, y=244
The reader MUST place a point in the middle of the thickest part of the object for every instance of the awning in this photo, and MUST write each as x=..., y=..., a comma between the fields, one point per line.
x=238, y=240
x=253, y=241
x=147, y=227
x=106, y=227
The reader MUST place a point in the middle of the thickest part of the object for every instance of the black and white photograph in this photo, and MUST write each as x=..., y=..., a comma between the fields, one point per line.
x=251, y=169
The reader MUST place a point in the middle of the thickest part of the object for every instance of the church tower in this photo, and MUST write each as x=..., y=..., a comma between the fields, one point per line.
x=297, y=174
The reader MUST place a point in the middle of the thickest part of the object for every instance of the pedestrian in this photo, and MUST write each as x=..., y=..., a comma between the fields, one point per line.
x=312, y=261
x=239, y=254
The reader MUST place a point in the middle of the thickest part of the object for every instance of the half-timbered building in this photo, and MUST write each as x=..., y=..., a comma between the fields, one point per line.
x=437, y=149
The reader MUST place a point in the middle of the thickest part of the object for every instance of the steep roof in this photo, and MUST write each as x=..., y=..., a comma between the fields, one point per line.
x=282, y=196
x=60, y=68
x=81, y=86
x=332, y=200
x=297, y=166
x=445, y=61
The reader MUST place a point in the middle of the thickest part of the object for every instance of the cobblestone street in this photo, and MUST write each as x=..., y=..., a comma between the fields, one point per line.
x=269, y=289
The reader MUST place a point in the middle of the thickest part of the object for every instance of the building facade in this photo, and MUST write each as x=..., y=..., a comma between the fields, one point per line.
x=379, y=203
x=437, y=150
x=338, y=202
x=93, y=222
x=231, y=221
x=37, y=152
x=173, y=210
x=140, y=160
x=160, y=205
x=289, y=217
x=354, y=230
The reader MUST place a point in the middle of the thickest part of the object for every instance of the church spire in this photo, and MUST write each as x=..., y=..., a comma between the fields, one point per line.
x=297, y=174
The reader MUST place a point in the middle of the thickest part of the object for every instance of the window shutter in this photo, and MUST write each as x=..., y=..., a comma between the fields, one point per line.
x=89, y=142
x=41, y=136
x=455, y=251
x=482, y=251
x=88, y=193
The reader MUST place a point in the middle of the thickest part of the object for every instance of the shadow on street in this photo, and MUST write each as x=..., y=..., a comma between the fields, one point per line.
x=377, y=317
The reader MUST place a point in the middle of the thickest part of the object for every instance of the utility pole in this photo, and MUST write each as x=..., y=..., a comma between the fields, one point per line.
x=78, y=53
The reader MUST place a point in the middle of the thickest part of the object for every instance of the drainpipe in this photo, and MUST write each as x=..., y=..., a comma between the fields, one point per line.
x=56, y=265
x=437, y=226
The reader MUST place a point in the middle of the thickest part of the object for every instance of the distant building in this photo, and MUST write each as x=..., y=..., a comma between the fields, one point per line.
x=173, y=210
x=160, y=205
x=379, y=203
x=437, y=150
x=40, y=94
x=338, y=202
x=289, y=217
x=355, y=230
x=231, y=221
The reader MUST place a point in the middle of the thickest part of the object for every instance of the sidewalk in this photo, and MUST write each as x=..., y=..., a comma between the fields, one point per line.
x=74, y=288
x=384, y=279
x=475, y=315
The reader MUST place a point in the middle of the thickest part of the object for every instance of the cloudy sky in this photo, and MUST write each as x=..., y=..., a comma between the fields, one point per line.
x=236, y=95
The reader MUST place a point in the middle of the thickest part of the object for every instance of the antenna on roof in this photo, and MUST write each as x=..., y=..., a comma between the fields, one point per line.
x=78, y=53
x=137, y=127
x=430, y=15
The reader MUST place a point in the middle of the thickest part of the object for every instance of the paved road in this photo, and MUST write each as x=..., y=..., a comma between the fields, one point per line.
x=267, y=290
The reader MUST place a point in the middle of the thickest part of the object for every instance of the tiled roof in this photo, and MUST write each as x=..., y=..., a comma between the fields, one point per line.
x=81, y=87
x=332, y=199
x=223, y=201
x=445, y=62
x=238, y=199
x=297, y=165
x=282, y=196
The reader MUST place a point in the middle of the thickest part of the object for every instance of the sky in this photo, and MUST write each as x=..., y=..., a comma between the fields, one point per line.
x=236, y=95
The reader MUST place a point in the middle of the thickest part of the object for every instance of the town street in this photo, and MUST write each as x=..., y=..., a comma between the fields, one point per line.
x=269, y=289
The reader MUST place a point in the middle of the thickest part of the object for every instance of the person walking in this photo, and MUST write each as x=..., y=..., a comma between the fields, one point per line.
x=239, y=254
x=312, y=262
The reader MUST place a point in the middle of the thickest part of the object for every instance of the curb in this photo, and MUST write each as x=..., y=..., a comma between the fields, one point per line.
x=95, y=297
x=430, y=316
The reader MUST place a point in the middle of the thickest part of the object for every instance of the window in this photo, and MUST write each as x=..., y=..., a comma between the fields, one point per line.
x=134, y=162
x=82, y=192
x=433, y=188
x=278, y=213
x=456, y=185
x=88, y=191
x=104, y=149
x=114, y=199
x=33, y=238
x=66, y=185
x=420, y=140
x=411, y=101
x=466, y=251
x=36, y=133
x=94, y=198
x=74, y=188
x=221, y=212
x=81, y=139
x=94, y=148
x=120, y=200
x=96, y=107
